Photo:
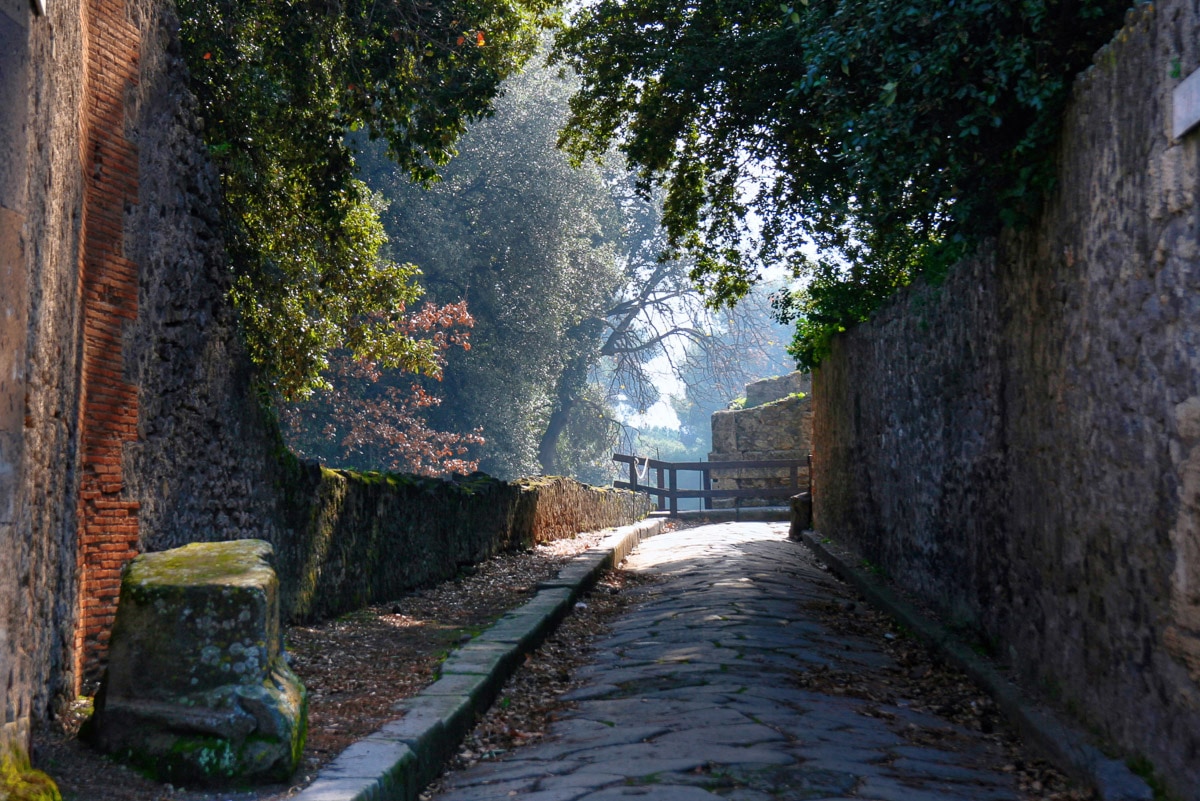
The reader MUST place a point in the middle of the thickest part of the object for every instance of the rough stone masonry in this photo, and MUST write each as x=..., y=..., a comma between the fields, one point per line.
x=1021, y=445
x=774, y=423
x=126, y=421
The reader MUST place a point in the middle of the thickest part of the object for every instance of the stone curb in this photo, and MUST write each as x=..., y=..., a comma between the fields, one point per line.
x=1060, y=743
x=396, y=762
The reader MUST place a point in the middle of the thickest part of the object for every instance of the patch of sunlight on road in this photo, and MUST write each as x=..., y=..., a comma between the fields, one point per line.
x=675, y=549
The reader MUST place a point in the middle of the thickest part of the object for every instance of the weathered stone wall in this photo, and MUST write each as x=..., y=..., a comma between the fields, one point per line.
x=777, y=387
x=361, y=538
x=108, y=411
x=41, y=185
x=193, y=452
x=14, y=78
x=774, y=424
x=563, y=507
x=174, y=447
x=1022, y=444
x=204, y=465
x=126, y=421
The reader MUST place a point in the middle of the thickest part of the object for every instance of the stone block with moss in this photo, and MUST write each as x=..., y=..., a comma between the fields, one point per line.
x=197, y=690
x=20, y=782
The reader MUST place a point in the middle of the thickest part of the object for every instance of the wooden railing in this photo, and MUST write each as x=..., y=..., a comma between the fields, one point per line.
x=666, y=484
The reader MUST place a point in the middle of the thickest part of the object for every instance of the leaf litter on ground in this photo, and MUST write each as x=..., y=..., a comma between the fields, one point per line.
x=355, y=667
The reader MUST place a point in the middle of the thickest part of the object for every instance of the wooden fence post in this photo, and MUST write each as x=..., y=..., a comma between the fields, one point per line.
x=674, y=497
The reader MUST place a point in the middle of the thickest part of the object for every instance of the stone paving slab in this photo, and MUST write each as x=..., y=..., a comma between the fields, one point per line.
x=693, y=697
x=396, y=762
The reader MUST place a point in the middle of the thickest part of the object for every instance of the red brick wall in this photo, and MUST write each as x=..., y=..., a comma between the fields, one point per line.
x=108, y=519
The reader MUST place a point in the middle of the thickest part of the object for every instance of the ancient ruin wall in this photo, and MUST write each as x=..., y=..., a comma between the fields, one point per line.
x=775, y=423
x=41, y=88
x=362, y=538
x=108, y=279
x=174, y=447
x=126, y=421
x=204, y=465
x=1022, y=444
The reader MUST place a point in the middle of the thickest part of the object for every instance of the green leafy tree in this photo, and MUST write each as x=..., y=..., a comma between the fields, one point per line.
x=561, y=270
x=279, y=84
x=651, y=311
x=889, y=134
x=529, y=243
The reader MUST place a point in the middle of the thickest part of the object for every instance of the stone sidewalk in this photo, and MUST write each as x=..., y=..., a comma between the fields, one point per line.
x=694, y=697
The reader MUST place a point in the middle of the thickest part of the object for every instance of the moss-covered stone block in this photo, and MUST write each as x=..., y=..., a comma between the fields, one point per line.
x=197, y=690
x=20, y=782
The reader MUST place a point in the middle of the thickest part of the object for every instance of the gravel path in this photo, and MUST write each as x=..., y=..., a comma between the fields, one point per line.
x=730, y=680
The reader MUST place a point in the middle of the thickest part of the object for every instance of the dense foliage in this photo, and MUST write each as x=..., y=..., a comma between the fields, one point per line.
x=528, y=243
x=560, y=270
x=279, y=83
x=888, y=134
x=365, y=422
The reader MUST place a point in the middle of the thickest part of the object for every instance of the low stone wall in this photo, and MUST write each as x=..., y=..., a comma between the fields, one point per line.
x=777, y=429
x=777, y=387
x=563, y=507
x=1021, y=445
x=361, y=538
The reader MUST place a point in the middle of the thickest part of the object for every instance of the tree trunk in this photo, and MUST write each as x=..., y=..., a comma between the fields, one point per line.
x=570, y=382
x=548, y=448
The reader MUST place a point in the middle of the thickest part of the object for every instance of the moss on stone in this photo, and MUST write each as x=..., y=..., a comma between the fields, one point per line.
x=244, y=563
x=20, y=782
x=363, y=537
x=196, y=648
x=197, y=759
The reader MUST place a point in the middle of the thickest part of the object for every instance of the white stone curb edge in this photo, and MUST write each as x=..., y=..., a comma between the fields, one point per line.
x=397, y=762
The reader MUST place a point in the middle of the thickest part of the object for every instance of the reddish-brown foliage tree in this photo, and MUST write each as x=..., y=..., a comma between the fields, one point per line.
x=371, y=420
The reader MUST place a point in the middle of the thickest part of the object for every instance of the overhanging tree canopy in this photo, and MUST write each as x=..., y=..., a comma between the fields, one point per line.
x=528, y=243
x=560, y=270
x=888, y=133
x=279, y=84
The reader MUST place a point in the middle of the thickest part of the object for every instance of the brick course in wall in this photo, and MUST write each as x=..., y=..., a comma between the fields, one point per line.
x=108, y=417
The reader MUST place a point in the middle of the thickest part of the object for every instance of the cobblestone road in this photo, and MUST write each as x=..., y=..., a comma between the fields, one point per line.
x=694, y=697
